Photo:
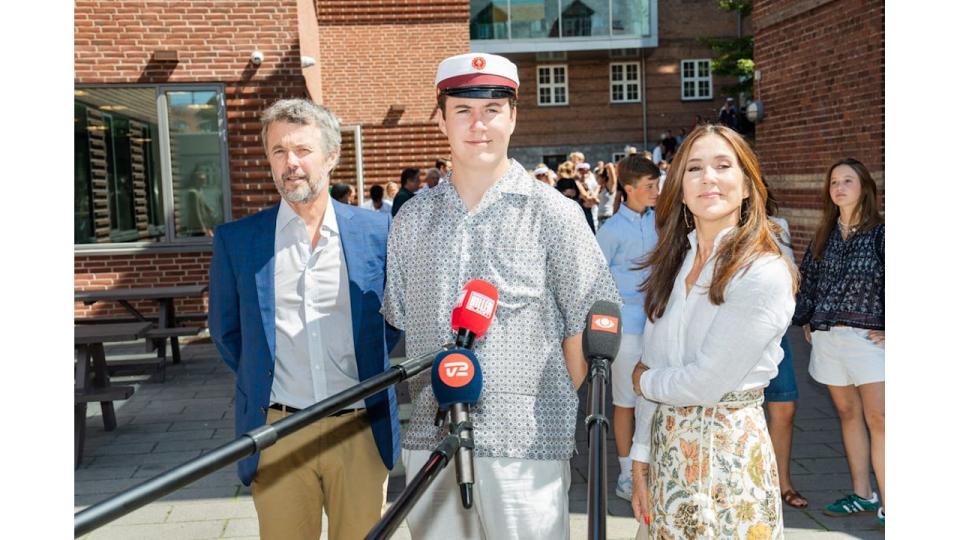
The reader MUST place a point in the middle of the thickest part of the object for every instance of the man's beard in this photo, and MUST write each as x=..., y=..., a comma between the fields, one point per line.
x=303, y=193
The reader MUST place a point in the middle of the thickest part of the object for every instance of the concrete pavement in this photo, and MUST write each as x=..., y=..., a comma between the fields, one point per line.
x=165, y=424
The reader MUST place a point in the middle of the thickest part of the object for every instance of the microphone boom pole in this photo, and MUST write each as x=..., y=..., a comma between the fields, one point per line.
x=597, y=428
x=438, y=460
x=601, y=341
x=247, y=444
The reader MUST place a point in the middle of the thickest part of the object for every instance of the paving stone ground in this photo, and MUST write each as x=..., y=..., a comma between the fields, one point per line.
x=165, y=424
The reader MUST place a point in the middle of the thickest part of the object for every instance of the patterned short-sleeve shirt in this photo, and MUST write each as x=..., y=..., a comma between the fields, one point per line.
x=534, y=246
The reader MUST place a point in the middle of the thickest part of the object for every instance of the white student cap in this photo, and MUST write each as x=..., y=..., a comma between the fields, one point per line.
x=540, y=170
x=477, y=75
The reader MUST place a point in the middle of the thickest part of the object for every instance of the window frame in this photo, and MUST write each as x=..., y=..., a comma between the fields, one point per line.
x=553, y=85
x=610, y=40
x=696, y=79
x=170, y=241
x=625, y=82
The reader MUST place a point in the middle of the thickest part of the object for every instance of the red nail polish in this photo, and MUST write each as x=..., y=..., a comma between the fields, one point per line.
x=647, y=519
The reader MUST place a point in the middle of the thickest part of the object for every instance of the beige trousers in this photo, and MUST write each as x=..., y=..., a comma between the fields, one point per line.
x=331, y=465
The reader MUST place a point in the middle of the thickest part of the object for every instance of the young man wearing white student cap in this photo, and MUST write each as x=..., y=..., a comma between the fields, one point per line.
x=493, y=221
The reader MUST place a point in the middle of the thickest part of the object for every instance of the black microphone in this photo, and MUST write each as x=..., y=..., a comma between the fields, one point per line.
x=601, y=337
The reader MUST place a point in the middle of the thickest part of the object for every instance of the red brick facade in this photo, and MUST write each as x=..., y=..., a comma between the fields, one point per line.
x=822, y=86
x=367, y=67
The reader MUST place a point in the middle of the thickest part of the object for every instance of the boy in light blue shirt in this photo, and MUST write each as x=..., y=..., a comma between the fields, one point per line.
x=625, y=239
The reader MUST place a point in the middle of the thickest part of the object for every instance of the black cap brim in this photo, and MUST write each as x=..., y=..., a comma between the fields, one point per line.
x=481, y=92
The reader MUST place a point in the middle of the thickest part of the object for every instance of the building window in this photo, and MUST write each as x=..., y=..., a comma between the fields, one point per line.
x=539, y=19
x=150, y=163
x=625, y=82
x=617, y=156
x=553, y=161
x=696, y=79
x=551, y=85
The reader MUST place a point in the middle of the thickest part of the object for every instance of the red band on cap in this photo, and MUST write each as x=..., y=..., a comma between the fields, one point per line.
x=476, y=79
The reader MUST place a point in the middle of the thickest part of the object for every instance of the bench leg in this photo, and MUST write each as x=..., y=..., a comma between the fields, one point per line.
x=81, y=380
x=79, y=432
x=162, y=355
x=102, y=380
x=175, y=349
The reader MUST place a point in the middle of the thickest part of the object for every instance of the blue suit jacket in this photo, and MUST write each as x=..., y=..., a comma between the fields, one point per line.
x=242, y=316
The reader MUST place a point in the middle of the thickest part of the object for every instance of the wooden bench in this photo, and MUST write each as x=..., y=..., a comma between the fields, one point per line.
x=137, y=362
x=112, y=319
x=158, y=360
x=160, y=335
x=112, y=393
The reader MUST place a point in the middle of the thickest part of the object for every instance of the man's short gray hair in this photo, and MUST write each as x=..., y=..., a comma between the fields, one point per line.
x=304, y=113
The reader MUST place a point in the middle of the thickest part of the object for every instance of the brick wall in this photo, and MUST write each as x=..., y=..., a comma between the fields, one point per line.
x=155, y=270
x=822, y=86
x=366, y=67
x=386, y=84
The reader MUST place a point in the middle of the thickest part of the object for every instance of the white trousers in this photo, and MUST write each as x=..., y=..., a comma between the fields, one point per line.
x=512, y=498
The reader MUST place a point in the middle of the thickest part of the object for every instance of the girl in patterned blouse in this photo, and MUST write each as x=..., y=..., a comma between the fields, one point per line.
x=840, y=303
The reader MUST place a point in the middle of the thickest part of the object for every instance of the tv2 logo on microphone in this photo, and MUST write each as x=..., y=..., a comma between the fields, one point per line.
x=456, y=370
x=604, y=323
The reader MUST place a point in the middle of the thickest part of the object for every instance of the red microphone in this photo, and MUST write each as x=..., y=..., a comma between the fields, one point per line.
x=473, y=311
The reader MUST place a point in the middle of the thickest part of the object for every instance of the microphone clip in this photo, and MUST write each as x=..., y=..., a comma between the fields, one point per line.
x=441, y=416
x=458, y=429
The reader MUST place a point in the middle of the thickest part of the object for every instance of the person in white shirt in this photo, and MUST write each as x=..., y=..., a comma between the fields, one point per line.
x=390, y=190
x=720, y=297
x=377, y=202
x=294, y=311
x=589, y=181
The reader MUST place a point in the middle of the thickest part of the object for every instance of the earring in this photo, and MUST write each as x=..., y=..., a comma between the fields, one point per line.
x=684, y=212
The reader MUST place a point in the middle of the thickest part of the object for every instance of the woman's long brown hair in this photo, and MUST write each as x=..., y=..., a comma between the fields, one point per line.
x=754, y=236
x=868, y=213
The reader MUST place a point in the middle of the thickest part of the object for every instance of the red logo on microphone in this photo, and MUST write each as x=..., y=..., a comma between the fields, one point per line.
x=604, y=323
x=456, y=370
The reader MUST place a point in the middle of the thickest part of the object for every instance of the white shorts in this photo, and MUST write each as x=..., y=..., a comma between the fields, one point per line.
x=631, y=345
x=512, y=498
x=845, y=355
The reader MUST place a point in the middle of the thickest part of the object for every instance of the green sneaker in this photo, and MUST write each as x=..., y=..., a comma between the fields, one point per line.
x=881, y=518
x=852, y=504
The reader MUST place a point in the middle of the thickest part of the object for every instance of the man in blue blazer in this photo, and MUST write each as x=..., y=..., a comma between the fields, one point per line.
x=295, y=297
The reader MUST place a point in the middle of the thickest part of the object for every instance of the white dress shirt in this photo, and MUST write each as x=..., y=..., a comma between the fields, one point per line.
x=385, y=206
x=698, y=351
x=314, y=353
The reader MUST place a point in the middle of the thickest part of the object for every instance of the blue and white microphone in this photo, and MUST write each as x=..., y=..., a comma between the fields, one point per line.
x=457, y=383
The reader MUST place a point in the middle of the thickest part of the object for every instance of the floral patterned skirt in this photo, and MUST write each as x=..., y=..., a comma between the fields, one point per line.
x=724, y=451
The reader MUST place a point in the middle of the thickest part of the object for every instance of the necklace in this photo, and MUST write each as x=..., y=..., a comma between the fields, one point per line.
x=845, y=230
